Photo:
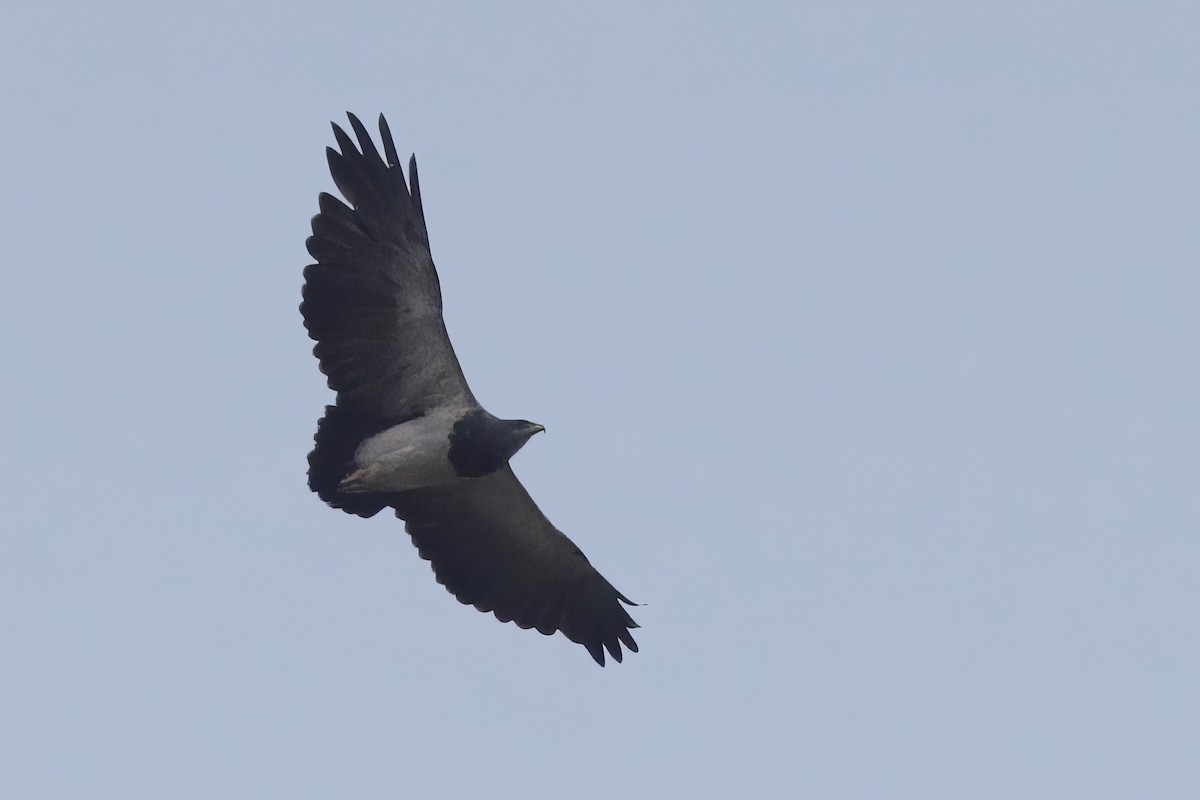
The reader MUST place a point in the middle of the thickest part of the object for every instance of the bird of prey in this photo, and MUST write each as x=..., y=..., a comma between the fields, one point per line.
x=406, y=432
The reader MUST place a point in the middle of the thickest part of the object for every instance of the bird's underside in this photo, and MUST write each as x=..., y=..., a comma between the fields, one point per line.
x=406, y=432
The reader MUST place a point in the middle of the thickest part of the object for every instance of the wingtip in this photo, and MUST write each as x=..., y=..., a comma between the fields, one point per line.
x=365, y=144
x=389, y=146
x=414, y=186
x=412, y=173
x=597, y=651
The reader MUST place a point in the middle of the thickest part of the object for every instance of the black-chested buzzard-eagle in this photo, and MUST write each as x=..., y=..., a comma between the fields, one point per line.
x=407, y=433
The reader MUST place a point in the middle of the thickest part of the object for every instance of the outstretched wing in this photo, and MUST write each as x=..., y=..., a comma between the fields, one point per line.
x=372, y=301
x=493, y=548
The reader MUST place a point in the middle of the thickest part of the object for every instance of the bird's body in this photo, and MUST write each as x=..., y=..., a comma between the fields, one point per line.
x=407, y=433
x=411, y=455
x=445, y=446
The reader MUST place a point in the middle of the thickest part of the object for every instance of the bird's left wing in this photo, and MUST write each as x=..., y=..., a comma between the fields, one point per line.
x=372, y=301
x=492, y=547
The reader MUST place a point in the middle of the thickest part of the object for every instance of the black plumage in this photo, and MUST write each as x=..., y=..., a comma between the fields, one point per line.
x=406, y=432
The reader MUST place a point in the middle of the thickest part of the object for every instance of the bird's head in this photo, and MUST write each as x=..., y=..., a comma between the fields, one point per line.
x=521, y=431
x=512, y=434
x=481, y=444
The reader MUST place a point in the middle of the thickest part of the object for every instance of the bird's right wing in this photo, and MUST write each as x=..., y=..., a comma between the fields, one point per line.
x=492, y=547
x=372, y=301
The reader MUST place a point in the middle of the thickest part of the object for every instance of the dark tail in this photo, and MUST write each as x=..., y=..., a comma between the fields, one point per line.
x=338, y=435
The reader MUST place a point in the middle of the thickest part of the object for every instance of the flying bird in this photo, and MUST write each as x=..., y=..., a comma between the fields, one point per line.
x=405, y=431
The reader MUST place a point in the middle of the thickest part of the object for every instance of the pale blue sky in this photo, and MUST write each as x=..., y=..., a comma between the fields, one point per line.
x=866, y=338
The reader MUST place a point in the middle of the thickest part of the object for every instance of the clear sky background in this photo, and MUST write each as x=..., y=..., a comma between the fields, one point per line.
x=866, y=338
